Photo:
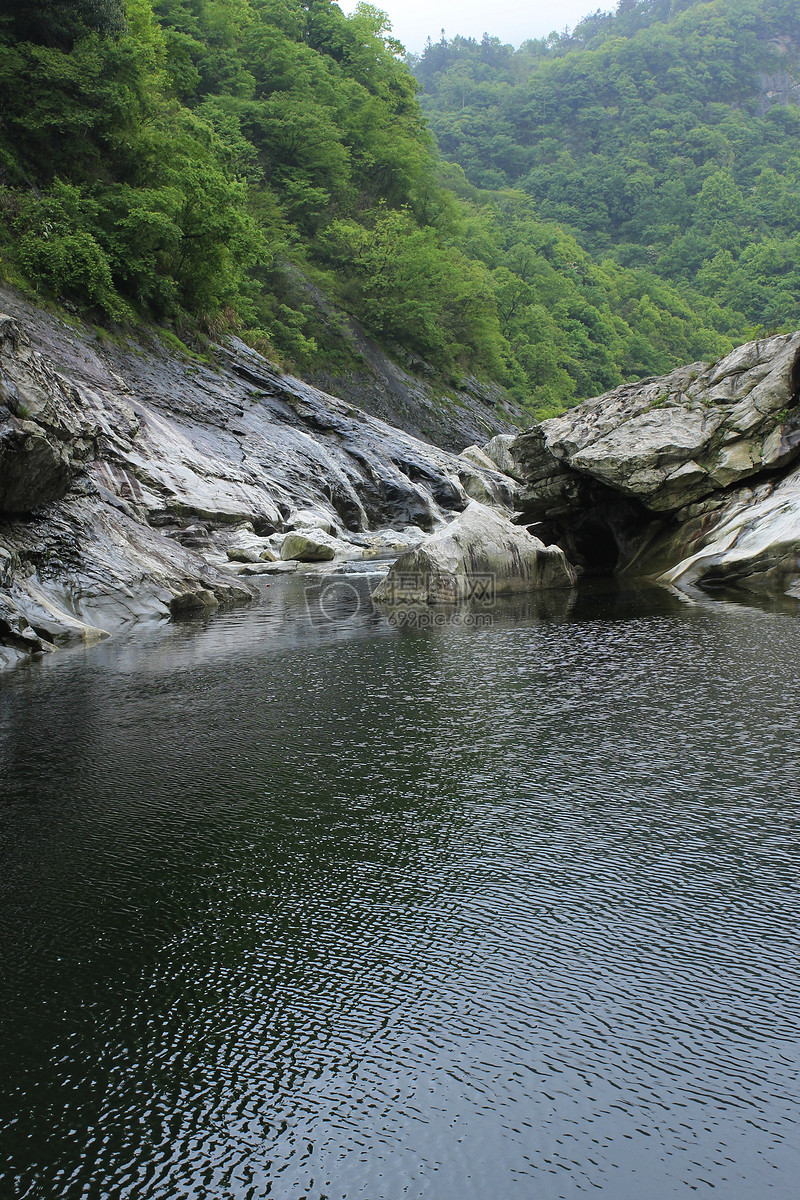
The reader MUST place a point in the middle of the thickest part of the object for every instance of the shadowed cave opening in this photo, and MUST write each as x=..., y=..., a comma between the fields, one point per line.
x=602, y=535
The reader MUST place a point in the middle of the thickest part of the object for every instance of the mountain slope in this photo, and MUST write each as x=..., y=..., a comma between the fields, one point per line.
x=213, y=165
x=665, y=137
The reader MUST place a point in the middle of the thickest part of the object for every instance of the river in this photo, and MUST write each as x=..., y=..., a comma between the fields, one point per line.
x=509, y=907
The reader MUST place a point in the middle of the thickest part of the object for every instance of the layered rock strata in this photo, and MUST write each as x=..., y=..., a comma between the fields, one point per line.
x=689, y=479
x=139, y=483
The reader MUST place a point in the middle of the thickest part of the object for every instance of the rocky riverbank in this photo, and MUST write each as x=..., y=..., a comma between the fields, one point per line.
x=145, y=483
x=689, y=480
x=141, y=483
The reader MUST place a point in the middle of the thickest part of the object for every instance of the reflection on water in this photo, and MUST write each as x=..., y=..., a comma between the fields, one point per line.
x=292, y=906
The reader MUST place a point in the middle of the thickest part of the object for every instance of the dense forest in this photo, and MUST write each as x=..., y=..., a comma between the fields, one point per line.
x=663, y=136
x=606, y=203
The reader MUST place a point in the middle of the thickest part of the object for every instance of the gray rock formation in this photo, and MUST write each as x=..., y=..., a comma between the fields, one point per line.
x=134, y=483
x=747, y=539
x=499, y=452
x=487, y=484
x=479, y=555
x=314, y=546
x=688, y=479
x=45, y=438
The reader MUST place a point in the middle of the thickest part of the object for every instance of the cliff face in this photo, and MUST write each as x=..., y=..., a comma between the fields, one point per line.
x=691, y=479
x=135, y=484
x=408, y=396
x=780, y=84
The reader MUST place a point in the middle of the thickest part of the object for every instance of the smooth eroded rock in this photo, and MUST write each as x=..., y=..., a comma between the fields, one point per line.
x=672, y=441
x=676, y=478
x=17, y=634
x=749, y=541
x=199, y=600
x=480, y=555
x=136, y=484
x=499, y=451
x=313, y=546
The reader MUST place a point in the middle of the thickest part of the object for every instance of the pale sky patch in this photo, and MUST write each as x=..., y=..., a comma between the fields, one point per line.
x=415, y=20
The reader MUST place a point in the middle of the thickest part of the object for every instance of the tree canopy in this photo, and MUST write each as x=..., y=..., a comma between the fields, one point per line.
x=665, y=137
x=604, y=205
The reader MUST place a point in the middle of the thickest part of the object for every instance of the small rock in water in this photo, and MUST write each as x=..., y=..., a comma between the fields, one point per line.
x=307, y=547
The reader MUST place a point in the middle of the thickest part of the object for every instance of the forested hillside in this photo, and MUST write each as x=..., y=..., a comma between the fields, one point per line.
x=188, y=162
x=665, y=137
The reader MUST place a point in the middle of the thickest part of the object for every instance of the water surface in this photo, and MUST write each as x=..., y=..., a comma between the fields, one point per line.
x=299, y=908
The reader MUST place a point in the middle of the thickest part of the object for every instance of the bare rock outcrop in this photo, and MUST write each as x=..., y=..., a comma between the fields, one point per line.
x=45, y=438
x=136, y=483
x=688, y=479
x=479, y=555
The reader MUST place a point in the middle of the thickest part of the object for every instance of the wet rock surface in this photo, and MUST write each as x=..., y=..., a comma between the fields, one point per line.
x=314, y=546
x=691, y=479
x=136, y=483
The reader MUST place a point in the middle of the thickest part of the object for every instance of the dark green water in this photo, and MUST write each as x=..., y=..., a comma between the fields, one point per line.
x=342, y=910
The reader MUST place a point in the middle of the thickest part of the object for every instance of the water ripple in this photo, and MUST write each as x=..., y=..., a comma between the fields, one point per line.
x=363, y=912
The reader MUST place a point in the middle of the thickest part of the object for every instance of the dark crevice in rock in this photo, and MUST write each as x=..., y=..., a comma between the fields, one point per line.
x=794, y=382
x=602, y=534
x=609, y=532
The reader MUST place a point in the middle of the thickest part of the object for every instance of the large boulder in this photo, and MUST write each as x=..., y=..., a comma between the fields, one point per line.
x=479, y=555
x=670, y=442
